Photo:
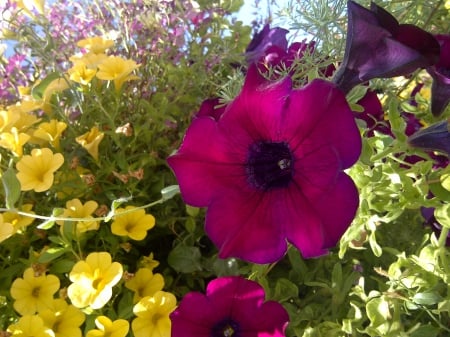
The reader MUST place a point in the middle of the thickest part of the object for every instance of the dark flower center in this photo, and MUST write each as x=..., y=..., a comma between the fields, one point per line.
x=269, y=165
x=225, y=328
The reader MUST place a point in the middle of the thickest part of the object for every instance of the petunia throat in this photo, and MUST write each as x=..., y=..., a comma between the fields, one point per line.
x=269, y=165
x=226, y=328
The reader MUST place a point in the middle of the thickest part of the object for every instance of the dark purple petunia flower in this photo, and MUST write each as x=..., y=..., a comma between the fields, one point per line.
x=378, y=46
x=264, y=39
x=440, y=88
x=232, y=306
x=436, y=137
x=271, y=169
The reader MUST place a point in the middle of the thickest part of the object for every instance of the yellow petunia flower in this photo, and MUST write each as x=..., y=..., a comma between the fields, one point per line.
x=36, y=170
x=90, y=60
x=90, y=141
x=93, y=280
x=75, y=209
x=153, y=315
x=14, y=141
x=49, y=132
x=30, y=326
x=33, y=293
x=6, y=229
x=145, y=283
x=133, y=224
x=118, y=70
x=24, y=118
x=80, y=73
x=64, y=319
x=108, y=328
x=95, y=44
x=19, y=222
x=7, y=119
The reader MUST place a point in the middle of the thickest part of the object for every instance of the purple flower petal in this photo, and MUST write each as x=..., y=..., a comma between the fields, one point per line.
x=232, y=303
x=378, y=46
x=436, y=137
x=319, y=114
x=264, y=39
x=440, y=89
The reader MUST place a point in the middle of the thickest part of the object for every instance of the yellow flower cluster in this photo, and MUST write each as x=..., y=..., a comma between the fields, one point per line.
x=36, y=132
x=95, y=63
x=92, y=285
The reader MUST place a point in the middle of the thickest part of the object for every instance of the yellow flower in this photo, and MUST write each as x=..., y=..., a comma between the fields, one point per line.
x=63, y=319
x=95, y=44
x=19, y=222
x=134, y=224
x=49, y=132
x=90, y=60
x=153, y=315
x=117, y=69
x=93, y=280
x=7, y=119
x=75, y=209
x=14, y=141
x=24, y=118
x=145, y=283
x=30, y=326
x=80, y=73
x=107, y=328
x=149, y=262
x=33, y=293
x=90, y=141
x=6, y=229
x=55, y=86
x=36, y=170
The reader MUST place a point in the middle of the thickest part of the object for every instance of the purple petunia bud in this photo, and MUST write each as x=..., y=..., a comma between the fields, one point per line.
x=430, y=220
x=440, y=89
x=433, y=138
x=379, y=47
x=264, y=39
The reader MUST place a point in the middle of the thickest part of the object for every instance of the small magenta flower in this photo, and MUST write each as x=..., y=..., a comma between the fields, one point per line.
x=270, y=169
x=436, y=137
x=440, y=88
x=232, y=306
x=264, y=39
x=378, y=46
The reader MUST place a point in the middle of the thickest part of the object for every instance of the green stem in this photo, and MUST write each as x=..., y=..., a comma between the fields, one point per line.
x=102, y=218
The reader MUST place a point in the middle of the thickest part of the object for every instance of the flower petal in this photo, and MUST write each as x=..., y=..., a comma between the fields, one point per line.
x=242, y=224
x=319, y=115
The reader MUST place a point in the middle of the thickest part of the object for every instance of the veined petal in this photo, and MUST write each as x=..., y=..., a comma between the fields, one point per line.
x=244, y=225
x=318, y=114
x=206, y=163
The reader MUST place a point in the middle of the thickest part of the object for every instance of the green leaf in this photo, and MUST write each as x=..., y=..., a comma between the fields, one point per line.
x=38, y=90
x=426, y=298
x=12, y=187
x=285, y=290
x=426, y=331
x=442, y=215
x=185, y=259
x=51, y=254
x=445, y=181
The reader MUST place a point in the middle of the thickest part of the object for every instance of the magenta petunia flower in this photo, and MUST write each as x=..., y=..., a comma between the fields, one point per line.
x=440, y=88
x=378, y=46
x=232, y=306
x=270, y=170
x=264, y=39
